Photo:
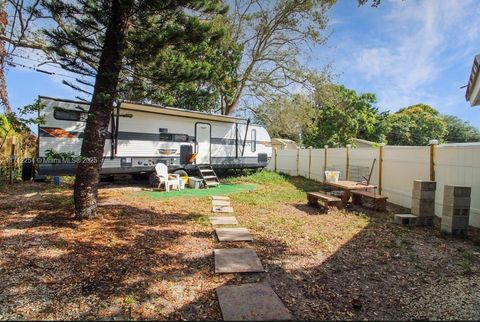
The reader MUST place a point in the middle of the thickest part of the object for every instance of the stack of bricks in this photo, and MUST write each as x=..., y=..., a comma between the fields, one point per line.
x=423, y=202
x=456, y=209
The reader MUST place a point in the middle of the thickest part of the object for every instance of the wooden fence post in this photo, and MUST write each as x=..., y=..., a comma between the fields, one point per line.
x=433, y=145
x=12, y=159
x=347, y=170
x=275, y=159
x=380, y=169
x=309, y=161
x=324, y=161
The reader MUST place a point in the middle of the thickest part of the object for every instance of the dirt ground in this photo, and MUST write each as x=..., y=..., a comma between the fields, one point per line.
x=149, y=258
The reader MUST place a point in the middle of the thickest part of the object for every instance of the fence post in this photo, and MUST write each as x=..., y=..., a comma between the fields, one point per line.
x=324, y=161
x=12, y=159
x=347, y=172
x=380, y=169
x=309, y=161
x=298, y=161
x=275, y=159
x=433, y=145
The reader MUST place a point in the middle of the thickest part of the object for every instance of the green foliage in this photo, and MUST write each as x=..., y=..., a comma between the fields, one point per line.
x=286, y=118
x=416, y=125
x=177, y=53
x=189, y=74
x=460, y=131
x=344, y=115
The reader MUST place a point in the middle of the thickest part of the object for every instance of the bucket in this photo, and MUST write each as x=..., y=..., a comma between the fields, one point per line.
x=332, y=176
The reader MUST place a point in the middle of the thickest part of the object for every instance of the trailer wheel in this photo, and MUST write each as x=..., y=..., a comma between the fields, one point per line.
x=153, y=180
x=27, y=169
x=181, y=173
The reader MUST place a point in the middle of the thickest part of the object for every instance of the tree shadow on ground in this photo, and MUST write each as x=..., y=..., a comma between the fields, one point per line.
x=144, y=264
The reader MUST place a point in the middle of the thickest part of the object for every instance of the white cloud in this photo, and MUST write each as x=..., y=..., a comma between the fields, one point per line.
x=420, y=40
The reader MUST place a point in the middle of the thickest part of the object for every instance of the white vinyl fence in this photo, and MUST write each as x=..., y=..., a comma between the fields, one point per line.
x=451, y=164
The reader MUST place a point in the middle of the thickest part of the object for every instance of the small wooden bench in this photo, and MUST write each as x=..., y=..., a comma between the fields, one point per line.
x=379, y=202
x=326, y=199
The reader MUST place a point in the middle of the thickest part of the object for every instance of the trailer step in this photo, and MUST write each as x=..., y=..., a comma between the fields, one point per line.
x=209, y=176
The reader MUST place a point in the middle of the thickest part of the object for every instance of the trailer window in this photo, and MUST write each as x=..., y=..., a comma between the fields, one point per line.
x=67, y=115
x=254, y=140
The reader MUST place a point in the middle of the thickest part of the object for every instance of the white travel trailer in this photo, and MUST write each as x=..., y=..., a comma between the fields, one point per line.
x=141, y=135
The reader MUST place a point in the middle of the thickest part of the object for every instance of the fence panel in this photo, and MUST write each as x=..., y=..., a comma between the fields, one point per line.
x=287, y=161
x=459, y=165
x=303, y=161
x=402, y=165
x=336, y=161
x=318, y=156
x=361, y=160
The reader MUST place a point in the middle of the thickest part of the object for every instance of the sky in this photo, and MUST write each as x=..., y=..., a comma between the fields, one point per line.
x=406, y=52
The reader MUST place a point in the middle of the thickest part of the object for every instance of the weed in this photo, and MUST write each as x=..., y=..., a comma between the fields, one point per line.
x=129, y=300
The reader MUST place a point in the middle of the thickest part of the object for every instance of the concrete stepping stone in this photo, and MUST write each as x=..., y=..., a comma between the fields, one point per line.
x=237, y=260
x=224, y=209
x=251, y=302
x=233, y=234
x=223, y=220
x=220, y=203
x=221, y=198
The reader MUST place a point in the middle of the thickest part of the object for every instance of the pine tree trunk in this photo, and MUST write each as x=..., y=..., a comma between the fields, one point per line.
x=88, y=170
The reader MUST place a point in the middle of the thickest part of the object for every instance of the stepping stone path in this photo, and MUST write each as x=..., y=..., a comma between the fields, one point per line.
x=223, y=220
x=233, y=234
x=220, y=198
x=247, y=302
x=224, y=209
x=220, y=203
x=237, y=260
x=251, y=302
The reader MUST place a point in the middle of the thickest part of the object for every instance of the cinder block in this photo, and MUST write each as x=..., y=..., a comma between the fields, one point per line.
x=422, y=207
x=405, y=219
x=451, y=211
x=457, y=191
x=425, y=221
x=453, y=231
x=423, y=194
x=425, y=185
x=455, y=222
x=457, y=202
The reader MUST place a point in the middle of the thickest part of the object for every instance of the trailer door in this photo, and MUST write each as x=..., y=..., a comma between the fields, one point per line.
x=202, y=138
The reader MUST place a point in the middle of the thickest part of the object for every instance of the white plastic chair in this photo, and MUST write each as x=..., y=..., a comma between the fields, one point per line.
x=165, y=178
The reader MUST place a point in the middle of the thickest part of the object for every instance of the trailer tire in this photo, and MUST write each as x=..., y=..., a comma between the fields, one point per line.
x=181, y=173
x=153, y=180
x=27, y=169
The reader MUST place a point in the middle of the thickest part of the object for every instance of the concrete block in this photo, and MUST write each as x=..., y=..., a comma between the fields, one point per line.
x=425, y=221
x=451, y=211
x=423, y=194
x=458, y=222
x=405, y=219
x=422, y=207
x=457, y=202
x=453, y=231
x=425, y=185
x=457, y=191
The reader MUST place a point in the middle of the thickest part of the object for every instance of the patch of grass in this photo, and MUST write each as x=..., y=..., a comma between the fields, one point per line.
x=199, y=219
x=68, y=201
x=7, y=206
x=129, y=300
x=467, y=254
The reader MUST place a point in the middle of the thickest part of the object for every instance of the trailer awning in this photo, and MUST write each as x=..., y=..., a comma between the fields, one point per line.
x=151, y=108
